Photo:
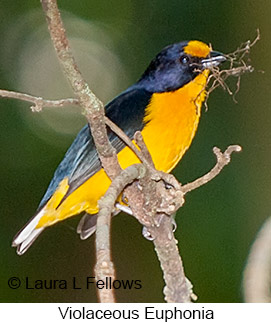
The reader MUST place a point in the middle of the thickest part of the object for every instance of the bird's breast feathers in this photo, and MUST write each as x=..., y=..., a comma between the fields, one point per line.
x=171, y=122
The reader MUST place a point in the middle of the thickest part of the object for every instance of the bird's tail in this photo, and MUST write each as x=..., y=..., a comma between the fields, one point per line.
x=28, y=234
x=87, y=225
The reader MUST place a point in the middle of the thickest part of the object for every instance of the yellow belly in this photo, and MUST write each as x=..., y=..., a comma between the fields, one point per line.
x=171, y=122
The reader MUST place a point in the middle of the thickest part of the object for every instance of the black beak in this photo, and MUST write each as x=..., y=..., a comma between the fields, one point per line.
x=214, y=60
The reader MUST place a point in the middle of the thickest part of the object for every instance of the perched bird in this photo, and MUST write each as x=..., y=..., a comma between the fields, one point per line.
x=164, y=104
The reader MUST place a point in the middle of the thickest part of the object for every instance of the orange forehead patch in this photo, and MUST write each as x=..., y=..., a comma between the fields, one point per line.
x=197, y=48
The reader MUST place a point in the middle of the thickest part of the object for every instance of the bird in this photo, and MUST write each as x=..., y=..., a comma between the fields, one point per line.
x=164, y=104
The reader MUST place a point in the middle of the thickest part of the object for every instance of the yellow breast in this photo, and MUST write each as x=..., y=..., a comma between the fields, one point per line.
x=172, y=119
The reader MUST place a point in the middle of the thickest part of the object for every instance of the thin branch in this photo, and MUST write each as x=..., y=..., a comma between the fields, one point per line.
x=257, y=273
x=223, y=159
x=39, y=102
x=104, y=266
x=144, y=150
x=239, y=63
x=141, y=155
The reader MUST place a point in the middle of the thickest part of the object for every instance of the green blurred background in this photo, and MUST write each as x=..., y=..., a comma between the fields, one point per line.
x=113, y=42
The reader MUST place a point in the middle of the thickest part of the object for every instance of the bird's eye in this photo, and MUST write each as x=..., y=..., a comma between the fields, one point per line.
x=184, y=59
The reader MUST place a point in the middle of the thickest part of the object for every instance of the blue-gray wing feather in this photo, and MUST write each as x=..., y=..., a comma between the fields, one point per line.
x=81, y=160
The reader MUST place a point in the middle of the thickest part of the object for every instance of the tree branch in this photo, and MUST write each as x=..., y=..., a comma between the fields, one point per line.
x=141, y=155
x=39, y=102
x=176, y=288
x=104, y=265
x=257, y=273
x=223, y=159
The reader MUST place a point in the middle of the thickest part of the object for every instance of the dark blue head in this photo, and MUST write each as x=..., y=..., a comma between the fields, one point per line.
x=178, y=64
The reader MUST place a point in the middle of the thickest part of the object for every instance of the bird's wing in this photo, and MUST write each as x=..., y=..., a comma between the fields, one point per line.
x=81, y=160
